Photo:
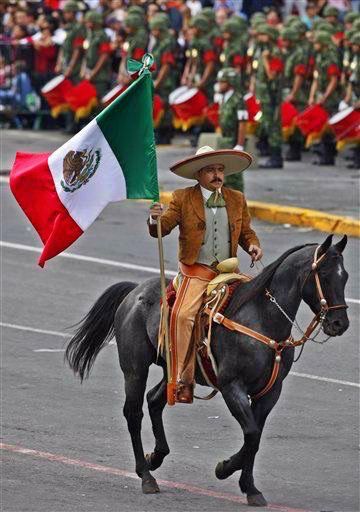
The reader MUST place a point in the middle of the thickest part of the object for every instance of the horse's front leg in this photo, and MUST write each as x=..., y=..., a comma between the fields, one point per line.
x=238, y=403
x=261, y=409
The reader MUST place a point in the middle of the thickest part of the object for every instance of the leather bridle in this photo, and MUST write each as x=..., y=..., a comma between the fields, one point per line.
x=279, y=346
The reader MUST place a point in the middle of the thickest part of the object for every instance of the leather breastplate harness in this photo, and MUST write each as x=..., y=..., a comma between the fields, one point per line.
x=279, y=346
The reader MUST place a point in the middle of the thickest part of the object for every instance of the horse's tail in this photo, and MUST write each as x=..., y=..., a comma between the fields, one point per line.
x=95, y=329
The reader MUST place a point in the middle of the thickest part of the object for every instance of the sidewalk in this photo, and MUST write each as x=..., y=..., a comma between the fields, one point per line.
x=272, y=194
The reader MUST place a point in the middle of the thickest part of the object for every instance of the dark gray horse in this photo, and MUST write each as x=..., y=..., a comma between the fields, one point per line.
x=244, y=364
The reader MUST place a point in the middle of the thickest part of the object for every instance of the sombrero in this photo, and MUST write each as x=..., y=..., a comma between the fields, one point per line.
x=234, y=161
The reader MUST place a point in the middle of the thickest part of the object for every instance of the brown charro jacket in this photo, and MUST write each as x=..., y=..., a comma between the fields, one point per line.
x=187, y=211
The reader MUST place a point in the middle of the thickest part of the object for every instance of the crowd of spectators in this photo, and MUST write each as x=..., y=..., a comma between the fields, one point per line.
x=32, y=34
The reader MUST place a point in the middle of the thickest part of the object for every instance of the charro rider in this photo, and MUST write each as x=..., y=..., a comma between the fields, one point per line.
x=213, y=220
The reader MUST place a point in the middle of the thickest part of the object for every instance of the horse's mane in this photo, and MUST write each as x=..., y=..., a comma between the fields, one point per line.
x=248, y=291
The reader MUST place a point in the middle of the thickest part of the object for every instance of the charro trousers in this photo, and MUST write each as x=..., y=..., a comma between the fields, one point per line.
x=188, y=301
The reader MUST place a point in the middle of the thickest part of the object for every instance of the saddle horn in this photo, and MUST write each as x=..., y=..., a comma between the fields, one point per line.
x=340, y=246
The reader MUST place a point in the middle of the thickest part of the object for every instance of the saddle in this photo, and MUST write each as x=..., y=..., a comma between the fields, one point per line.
x=216, y=298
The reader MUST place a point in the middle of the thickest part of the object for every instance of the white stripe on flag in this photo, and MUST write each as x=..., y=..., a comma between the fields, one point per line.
x=107, y=184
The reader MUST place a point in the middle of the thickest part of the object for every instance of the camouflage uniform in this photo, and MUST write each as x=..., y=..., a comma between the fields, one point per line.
x=214, y=30
x=164, y=52
x=295, y=65
x=268, y=92
x=97, y=43
x=75, y=36
x=200, y=52
x=234, y=53
x=326, y=66
x=354, y=81
x=232, y=111
x=136, y=42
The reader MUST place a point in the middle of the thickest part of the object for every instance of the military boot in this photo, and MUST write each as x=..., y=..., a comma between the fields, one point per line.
x=355, y=164
x=326, y=151
x=293, y=153
x=275, y=161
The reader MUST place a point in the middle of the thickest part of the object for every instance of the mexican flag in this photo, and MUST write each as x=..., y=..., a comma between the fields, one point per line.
x=111, y=159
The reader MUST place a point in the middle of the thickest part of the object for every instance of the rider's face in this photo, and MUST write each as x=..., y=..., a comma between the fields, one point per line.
x=211, y=177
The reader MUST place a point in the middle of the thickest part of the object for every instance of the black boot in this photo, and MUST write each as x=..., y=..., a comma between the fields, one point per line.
x=263, y=146
x=355, y=164
x=326, y=150
x=293, y=154
x=275, y=161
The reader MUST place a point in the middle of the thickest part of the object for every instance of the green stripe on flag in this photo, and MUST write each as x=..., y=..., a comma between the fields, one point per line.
x=127, y=125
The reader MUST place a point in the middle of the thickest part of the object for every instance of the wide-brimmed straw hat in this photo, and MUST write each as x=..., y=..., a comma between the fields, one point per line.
x=233, y=161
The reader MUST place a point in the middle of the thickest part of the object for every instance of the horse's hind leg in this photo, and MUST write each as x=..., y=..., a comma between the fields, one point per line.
x=135, y=385
x=156, y=398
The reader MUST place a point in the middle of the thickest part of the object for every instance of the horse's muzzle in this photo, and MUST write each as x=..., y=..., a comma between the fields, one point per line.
x=337, y=324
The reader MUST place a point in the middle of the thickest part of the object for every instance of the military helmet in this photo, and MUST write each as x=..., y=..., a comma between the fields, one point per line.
x=268, y=30
x=200, y=22
x=299, y=27
x=290, y=20
x=71, y=6
x=355, y=38
x=232, y=26
x=324, y=26
x=94, y=17
x=322, y=37
x=289, y=34
x=349, y=33
x=356, y=24
x=133, y=21
x=330, y=11
x=136, y=9
x=209, y=13
x=257, y=17
x=159, y=22
x=228, y=75
x=351, y=16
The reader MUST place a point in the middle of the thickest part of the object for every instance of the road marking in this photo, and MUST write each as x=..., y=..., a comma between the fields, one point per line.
x=326, y=379
x=112, y=342
x=113, y=263
x=32, y=329
x=192, y=489
x=49, y=350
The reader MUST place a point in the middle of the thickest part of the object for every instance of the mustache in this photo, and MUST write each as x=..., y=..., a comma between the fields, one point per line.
x=216, y=180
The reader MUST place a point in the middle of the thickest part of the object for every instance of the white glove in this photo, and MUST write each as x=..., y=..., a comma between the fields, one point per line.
x=238, y=147
x=343, y=105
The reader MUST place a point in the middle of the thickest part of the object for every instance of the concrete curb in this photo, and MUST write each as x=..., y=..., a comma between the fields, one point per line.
x=280, y=214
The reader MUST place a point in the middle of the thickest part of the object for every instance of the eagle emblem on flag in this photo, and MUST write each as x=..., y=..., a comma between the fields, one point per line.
x=79, y=167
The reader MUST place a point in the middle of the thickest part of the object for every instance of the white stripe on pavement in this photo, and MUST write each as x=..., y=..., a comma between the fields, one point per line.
x=63, y=335
x=113, y=263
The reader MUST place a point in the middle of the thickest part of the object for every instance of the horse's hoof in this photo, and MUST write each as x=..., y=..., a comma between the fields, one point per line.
x=149, y=486
x=220, y=471
x=153, y=461
x=256, y=500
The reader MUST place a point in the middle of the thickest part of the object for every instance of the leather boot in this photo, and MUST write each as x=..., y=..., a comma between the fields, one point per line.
x=275, y=161
x=293, y=154
x=326, y=150
x=184, y=393
x=355, y=164
x=263, y=146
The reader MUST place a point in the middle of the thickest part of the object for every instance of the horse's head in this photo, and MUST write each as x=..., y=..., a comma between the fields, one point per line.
x=327, y=291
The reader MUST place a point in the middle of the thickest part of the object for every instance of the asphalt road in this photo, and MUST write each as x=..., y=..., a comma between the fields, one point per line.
x=82, y=458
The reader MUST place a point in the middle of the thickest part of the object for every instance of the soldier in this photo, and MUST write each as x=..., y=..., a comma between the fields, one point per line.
x=214, y=30
x=232, y=119
x=326, y=90
x=331, y=15
x=268, y=87
x=201, y=59
x=234, y=53
x=294, y=90
x=352, y=96
x=70, y=54
x=96, y=65
x=135, y=45
x=164, y=75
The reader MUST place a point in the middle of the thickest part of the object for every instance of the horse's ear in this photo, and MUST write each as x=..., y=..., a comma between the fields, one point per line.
x=340, y=246
x=325, y=245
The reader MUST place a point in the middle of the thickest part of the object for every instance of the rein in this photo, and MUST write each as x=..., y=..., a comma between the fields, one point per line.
x=290, y=342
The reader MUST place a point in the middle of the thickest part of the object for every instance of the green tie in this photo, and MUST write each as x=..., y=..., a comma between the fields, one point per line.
x=216, y=200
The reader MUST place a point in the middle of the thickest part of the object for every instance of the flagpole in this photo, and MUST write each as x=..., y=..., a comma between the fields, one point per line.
x=170, y=389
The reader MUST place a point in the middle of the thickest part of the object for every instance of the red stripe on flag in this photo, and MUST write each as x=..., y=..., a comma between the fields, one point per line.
x=33, y=186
